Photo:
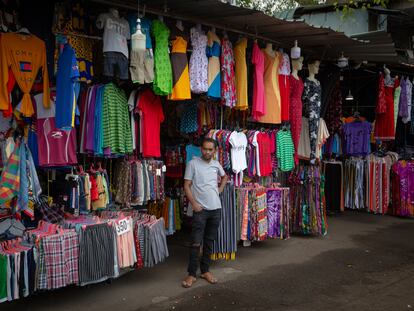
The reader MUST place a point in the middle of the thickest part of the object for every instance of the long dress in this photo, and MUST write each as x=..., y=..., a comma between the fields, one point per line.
x=384, y=123
x=272, y=93
x=295, y=111
x=181, y=78
x=213, y=53
x=163, y=72
x=259, y=101
x=241, y=74
x=198, y=62
x=228, y=87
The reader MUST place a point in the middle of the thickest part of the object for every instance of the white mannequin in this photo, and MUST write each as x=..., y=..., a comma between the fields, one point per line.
x=387, y=72
x=179, y=25
x=138, y=39
x=269, y=50
x=297, y=65
x=213, y=29
x=114, y=12
x=198, y=26
x=313, y=70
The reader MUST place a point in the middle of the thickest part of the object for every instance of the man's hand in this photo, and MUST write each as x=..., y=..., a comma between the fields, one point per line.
x=197, y=207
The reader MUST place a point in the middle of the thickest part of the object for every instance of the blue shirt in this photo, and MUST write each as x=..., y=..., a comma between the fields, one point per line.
x=145, y=28
x=66, y=76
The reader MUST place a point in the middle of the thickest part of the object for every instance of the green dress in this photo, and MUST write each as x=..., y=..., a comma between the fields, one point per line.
x=163, y=72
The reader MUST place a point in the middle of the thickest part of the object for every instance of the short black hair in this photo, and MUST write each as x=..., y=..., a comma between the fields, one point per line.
x=209, y=140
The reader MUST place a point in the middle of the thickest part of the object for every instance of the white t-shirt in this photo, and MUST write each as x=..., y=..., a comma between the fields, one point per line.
x=255, y=143
x=41, y=111
x=116, y=33
x=238, y=143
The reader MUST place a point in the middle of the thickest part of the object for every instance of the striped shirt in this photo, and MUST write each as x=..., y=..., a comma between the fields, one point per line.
x=116, y=124
x=285, y=150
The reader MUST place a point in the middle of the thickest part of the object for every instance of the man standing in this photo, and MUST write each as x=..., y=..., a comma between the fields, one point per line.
x=202, y=189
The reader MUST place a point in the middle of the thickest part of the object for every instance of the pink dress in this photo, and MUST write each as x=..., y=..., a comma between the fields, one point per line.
x=295, y=111
x=259, y=101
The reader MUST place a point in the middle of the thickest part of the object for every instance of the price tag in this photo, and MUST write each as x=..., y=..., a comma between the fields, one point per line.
x=123, y=226
x=158, y=172
x=164, y=168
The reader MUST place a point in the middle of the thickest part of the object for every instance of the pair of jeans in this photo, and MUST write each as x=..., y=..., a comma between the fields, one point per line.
x=204, y=231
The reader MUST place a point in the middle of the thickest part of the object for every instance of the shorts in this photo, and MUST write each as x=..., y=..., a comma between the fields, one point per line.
x=142, y=66
x=115, y=64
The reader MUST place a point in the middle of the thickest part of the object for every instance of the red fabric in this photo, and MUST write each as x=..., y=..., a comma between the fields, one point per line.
x=384, y=124
x=10, y=85
x=295, y=109
x=381, y=101
x=94, y=188
x=265, y=157
x=284, y=96
x=150, y=106
x=56, y=147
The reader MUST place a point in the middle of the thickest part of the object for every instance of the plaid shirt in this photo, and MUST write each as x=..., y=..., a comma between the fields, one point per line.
x=61, y=252
x=10, y=177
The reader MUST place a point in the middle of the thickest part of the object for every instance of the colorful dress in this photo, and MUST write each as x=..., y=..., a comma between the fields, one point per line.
x=198, y=62
x=228, y=88
x=272, y=93
x=163, y=72
x=284, y=73
x=213, y=53
x=241, y=74
x=179, y=63
x=295, y=111
x=259, y=101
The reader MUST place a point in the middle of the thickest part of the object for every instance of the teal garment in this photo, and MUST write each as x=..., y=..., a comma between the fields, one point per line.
x=192, y=151
x=285, y=150
x=3, y=278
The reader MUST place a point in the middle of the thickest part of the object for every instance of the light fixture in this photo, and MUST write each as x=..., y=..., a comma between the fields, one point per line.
x=349, y=96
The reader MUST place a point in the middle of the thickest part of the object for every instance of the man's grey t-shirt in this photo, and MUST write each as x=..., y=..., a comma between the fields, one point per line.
x=204, y=176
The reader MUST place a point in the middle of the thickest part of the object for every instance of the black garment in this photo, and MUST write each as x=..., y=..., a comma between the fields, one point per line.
x=22, y=285
x=205, y=226
x=31, y=267
x=333, y=186
x=403, y=137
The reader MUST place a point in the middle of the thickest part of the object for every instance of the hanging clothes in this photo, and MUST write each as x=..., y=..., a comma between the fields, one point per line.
x=284, y=86
x=25, y=66
x=357, y=136
x=241, y=75
x=311, y=109
x=228, y=88
x=179, y=63
x=213, y=53
x=384, y=123
x=285, y=150
x=354, y=172
x=163, y=80
x=403, y=188
x=295, y=112
x=272, y=92
x=259, y=100
x=198, y=62
x=278, y=213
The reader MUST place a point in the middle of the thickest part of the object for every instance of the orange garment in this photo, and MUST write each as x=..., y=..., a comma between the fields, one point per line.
x=25, y=55
x=272, y=92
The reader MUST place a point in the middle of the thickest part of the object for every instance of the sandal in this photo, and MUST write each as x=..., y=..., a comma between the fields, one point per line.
x=209, y=278
x=188, y=281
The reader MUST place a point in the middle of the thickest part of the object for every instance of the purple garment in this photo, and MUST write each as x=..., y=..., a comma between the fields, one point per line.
x=273, y=213
x=357, y=138
x=403, y=107
x=90, y=122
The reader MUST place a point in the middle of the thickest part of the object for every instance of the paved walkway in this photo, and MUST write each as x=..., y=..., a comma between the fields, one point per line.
x=366, y=262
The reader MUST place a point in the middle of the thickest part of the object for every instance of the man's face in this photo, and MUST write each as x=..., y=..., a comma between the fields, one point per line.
x=207, y=150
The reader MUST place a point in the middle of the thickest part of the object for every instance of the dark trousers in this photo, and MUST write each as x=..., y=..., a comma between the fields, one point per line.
x=204, y=231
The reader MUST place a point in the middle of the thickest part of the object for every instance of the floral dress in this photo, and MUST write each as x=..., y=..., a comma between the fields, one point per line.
x=163, y=71
x=198, y=62
x=228, y=88
x=312, y=109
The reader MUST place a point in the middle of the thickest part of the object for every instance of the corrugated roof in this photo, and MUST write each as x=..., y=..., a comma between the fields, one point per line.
x=323, y=42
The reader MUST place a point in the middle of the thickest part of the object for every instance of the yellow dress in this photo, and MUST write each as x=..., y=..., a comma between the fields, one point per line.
x=179, y=64
x=272, y=93
x=241, y=75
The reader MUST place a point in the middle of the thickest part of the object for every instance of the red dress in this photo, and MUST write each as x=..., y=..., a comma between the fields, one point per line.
x=295, y=112
x=265, y=156
x=384, y=123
